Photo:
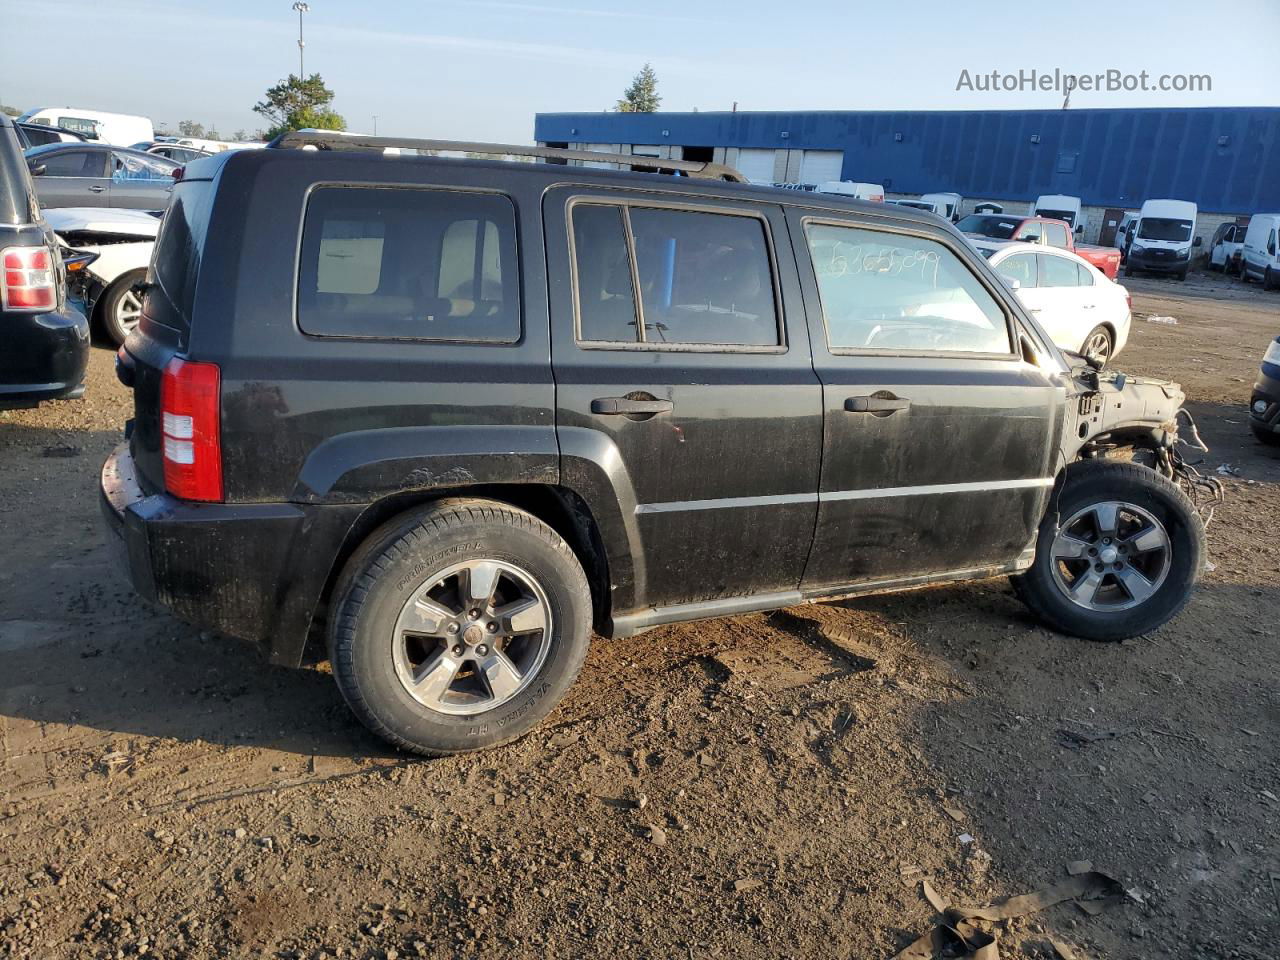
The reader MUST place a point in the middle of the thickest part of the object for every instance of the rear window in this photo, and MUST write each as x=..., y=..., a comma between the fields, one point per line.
x=409, y=264
x=986, y=225
x=179, y=247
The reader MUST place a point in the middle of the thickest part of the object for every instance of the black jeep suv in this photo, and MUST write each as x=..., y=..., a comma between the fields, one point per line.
x=44, y=341
x=458, y=413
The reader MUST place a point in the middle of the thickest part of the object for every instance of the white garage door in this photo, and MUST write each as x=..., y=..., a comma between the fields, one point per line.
x=756, y=165
x=819, y=166
x=600, y=148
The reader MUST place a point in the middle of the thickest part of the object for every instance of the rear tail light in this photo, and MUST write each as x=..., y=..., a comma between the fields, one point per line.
x=1128, y=299
x=30, y=283
x=191, y=430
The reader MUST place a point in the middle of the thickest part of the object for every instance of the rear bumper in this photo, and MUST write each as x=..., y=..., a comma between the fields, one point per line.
x=1266, y=391
x=255, y=571
x=43, y=356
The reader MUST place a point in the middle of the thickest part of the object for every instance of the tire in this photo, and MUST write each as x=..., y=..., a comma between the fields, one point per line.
x=379, y=625
x=1266, y=436
x=1128, y=271
x=1182, y=274
x=1268, y=281
x=1111, y=611
x=1100, y=342
x=117, y=304
x=1244, y=272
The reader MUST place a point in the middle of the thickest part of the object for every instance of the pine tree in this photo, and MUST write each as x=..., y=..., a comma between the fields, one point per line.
x=642, y=95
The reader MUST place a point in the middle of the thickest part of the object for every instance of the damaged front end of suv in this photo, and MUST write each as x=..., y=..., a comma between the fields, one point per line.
x=1118, y=416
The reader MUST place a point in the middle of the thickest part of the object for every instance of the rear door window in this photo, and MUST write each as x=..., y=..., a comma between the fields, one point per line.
x=416, y=264
x=1058, y=272
x=704, y=278
x=899, y=293
x=129, y=166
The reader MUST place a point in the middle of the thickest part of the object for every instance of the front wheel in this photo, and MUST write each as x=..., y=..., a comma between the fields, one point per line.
x=1117, y=554
x=459, y=627
x=1098, y=346
x=1268, y=279
x=120, y=308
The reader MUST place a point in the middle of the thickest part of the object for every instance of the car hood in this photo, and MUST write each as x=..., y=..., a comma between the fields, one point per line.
x=134, y=223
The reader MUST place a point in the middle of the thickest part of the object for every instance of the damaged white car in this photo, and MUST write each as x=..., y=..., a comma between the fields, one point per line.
x=122, y=240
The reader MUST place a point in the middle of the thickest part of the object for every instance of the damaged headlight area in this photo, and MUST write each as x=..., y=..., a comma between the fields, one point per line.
x=1118, y=415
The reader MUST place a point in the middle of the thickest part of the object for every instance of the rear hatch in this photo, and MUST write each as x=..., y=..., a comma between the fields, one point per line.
x=167, y=310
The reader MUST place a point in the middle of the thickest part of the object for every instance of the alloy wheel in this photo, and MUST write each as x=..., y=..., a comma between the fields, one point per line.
x=1111, y=556
x=473, y=637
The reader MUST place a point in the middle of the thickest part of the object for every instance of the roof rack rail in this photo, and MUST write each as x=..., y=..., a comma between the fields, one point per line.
x=334, y=140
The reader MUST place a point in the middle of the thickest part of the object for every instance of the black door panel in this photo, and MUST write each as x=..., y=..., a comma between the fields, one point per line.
x=719, y=446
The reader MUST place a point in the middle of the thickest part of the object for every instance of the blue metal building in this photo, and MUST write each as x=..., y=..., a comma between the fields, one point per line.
x=1226, y=159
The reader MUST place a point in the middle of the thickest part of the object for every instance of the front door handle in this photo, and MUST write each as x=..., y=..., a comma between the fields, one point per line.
x=96, y=188
x=874, y=404
x=624, y=406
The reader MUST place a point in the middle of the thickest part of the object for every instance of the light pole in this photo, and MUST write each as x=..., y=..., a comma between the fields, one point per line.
x=375, y=124
x=301, y=8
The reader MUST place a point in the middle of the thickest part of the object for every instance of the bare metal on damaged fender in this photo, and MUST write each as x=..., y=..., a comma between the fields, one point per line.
x=1119, y=408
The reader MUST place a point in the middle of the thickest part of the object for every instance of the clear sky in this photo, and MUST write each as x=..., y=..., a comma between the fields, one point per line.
x=481, y=69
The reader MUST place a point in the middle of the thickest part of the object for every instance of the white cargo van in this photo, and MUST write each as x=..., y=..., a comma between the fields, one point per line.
x=851, y=188
x=1260, y=256
x=945, y=205
x=118, y=129
x=1057, y=206
x=1163, y=238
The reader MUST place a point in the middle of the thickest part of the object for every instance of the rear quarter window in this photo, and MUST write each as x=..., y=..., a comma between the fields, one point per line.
x=409, y=264
x=179, y=247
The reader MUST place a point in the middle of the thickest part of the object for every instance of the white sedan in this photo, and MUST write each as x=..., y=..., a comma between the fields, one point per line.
x=1079, y=308
x=123, y=240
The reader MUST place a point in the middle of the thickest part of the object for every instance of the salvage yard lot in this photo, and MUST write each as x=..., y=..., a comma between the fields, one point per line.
x=768, y=785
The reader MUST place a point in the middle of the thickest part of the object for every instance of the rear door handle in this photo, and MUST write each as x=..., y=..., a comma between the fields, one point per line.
x=96, y=188
x=621, y=406
x=876, y=404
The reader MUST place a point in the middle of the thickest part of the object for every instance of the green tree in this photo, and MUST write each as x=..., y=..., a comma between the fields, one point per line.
x=240, y=136
x=11, y=111
x=296, y=103
x=642, y=95
x=189, y=128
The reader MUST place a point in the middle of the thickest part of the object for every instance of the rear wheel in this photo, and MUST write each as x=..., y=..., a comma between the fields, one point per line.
x=1117, y=555
x=459, y=627
x=1098, y=346
x=120, y=307
x=1268, y=279
x=1128, y=271
x=1182, y=274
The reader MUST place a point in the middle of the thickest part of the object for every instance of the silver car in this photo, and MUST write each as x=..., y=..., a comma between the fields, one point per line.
x=98, y=175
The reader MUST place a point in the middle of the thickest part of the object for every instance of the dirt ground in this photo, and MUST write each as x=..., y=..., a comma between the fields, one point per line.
x=774, y=785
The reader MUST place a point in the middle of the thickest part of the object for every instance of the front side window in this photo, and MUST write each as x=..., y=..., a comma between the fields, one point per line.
x=1058, y=272
x=1056, y=234
x=409, y=264
x=899, y=293
x=74, y=163
x=1032, y=232
x=703, y=278
x=1022, y=268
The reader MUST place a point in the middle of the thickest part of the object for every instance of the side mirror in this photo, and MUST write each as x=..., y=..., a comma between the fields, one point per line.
x=37, y=169
x=1079, y=228
x=1195, y=242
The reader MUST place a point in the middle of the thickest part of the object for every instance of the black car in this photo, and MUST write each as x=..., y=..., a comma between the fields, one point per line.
x=44, y=341
x=458, y=413
x=97, y=175
x=1264, y=404
x=38, y=134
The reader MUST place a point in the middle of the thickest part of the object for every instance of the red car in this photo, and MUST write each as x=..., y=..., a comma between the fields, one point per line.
x=1052, y=233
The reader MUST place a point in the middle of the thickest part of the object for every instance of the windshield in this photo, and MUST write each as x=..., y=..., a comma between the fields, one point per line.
x=989, y=225
x=1162, y=228
x=1067, y=215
